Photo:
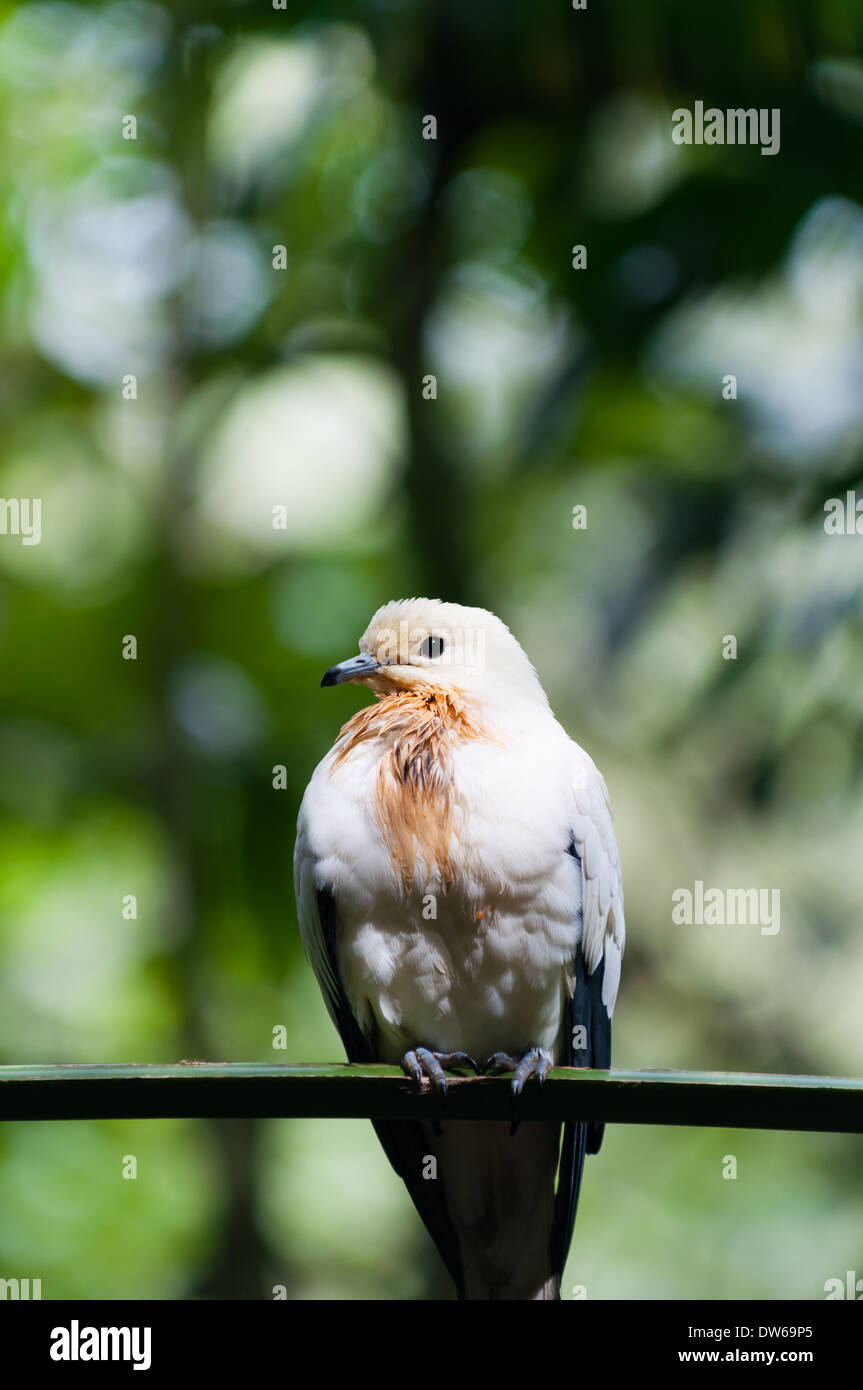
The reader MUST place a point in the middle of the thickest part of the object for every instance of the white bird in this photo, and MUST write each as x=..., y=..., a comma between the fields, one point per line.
x=459, y=896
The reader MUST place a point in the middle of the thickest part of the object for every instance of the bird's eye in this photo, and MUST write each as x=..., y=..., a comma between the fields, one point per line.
x=432, y=647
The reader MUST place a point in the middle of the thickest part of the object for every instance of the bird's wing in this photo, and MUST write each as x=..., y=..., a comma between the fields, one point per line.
x=318, y=919
x=595, y=973
x=403, y=1141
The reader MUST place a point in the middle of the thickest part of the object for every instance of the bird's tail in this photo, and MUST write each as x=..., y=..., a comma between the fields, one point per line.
x=489, y=1199
x=549, y=1290
x=499, y=1194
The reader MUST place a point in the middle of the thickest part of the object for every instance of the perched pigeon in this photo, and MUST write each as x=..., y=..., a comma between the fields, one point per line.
x=459, y=896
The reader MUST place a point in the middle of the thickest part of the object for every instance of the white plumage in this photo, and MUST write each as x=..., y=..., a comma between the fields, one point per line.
x=459, y=890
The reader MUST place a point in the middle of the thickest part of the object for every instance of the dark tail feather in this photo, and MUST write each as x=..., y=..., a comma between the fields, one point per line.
x=576, y=1138
x=408, y=1146
x=407, y=1149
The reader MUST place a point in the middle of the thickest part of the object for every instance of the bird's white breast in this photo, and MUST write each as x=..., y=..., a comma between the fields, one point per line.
x=476, y=957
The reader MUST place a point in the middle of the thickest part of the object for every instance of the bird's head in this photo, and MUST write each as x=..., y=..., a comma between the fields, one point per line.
x=415, y=644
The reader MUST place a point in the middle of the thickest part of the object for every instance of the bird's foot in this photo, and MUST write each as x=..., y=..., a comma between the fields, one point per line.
x=536, y=1063
x=420, y=1062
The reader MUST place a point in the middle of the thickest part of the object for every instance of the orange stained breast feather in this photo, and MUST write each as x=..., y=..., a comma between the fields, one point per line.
x=414, y=795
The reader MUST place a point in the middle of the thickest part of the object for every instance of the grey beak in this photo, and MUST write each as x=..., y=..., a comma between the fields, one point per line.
x=353, y=669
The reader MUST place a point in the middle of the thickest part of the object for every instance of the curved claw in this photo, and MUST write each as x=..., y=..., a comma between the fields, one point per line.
x=420, y=1062
x=411, y=1067
x=457, y=1061
x=535, y=1062
x=500, y=1061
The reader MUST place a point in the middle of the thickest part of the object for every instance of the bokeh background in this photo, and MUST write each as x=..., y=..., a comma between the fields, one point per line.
x=302, y=387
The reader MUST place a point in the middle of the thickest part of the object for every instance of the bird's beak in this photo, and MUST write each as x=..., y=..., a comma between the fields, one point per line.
x=351, y=670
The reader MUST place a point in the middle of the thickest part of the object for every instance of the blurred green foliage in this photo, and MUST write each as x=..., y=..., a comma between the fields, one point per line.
x=302, y=387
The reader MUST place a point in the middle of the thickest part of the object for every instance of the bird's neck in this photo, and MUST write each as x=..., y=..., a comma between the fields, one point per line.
x=426, y=717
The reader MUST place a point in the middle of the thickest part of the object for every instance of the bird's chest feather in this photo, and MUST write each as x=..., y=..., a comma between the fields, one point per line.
x=458, y=907
x=407, y=744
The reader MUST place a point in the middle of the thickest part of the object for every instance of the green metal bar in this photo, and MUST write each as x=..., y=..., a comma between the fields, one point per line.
x=730, y=1100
